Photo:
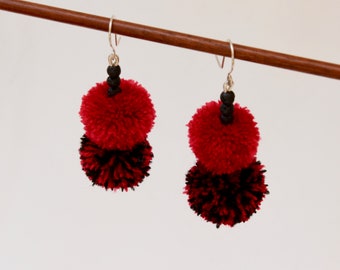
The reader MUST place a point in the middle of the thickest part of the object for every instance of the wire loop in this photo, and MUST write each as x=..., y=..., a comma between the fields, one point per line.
x=113, y=58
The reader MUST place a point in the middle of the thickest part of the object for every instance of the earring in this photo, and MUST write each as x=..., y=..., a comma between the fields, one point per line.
x=226, y=186
x=117, y=115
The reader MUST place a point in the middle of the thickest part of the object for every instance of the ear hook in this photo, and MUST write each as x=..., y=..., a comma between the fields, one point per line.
x=113, y=58
x=229, y=83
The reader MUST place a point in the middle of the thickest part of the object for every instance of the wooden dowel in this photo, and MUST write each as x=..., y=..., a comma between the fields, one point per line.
x=197, y=43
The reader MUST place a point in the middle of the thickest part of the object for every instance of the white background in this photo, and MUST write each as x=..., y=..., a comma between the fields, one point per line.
x=52, y=218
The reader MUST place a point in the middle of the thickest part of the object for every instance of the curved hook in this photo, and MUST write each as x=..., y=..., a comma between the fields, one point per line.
x=232, y=56
x=229, y=83
x=221, y=64
x=113, y=58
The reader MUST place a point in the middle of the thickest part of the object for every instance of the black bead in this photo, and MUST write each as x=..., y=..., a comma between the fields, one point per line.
x=113, y=91
x=113, y=71
x=226, y=119
x=113, y=82
x=227, y=109
x=227, y=97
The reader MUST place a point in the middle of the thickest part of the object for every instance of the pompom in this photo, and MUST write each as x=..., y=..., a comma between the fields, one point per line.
x=226, y=199
x=115, y=169
x=223, y=148
x=119, y=121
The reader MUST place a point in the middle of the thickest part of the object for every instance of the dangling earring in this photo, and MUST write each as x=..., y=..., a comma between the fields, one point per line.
x=117, y=115
x=226, y=186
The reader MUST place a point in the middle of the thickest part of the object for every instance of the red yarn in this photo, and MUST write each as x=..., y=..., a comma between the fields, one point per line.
x=115, y=169
x=223, y=148
x=228, y=198
x=120, y=121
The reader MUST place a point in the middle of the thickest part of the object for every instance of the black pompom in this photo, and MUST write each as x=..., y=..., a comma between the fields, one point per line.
x=227, y=97
x=113, y=71
x=115, y=169
x=226, y=199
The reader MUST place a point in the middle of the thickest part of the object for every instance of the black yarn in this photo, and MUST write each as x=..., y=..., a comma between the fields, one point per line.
x=229, y=198
x=115, y=169
x=113, y=80
x=227, y=107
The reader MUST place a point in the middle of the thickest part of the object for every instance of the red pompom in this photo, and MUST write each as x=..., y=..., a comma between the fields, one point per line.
x=219, y=147
x=120, y=121
x=115, y=169
x=228, y=198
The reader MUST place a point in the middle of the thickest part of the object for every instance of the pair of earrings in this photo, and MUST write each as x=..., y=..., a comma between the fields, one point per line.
x=226, y=186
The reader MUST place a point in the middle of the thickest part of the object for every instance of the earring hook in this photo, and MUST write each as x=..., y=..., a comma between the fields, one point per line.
x=229, y=83
x=232, y=56
x=113, y=58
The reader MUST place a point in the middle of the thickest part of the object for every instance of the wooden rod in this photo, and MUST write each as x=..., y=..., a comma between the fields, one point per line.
x=173, y=38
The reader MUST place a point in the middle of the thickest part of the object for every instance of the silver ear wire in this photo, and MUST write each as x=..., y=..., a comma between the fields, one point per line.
x=221, y=64
x=113, y=58
x=232, y=56
x=229, y=83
